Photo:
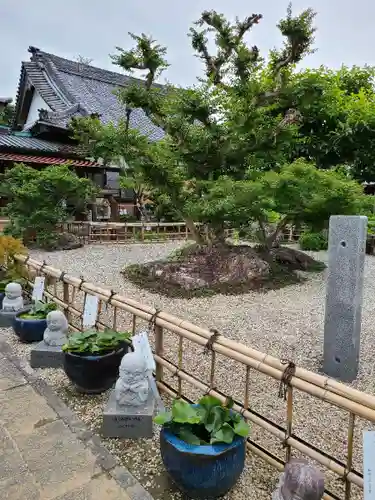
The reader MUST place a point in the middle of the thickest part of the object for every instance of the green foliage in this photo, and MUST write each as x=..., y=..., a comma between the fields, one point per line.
x=41, y=199
x=237, y=146
x=7, y=115
x=313, y=241
x=39, y=310
x=208, y=422
x=95, y=342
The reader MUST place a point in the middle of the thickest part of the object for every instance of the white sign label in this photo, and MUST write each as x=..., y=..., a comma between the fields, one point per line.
x=90, y=311
x=140, y=343
x=38, y=288
x=368, y=465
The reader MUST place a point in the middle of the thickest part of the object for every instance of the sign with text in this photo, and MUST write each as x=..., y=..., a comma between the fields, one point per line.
x=369, y=465
x=90, y=311
x=38, y=288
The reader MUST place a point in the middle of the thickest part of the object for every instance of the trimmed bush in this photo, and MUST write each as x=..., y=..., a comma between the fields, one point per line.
x=313, y=242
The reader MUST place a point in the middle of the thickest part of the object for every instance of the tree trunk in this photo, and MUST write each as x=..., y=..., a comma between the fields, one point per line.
x=198, y=238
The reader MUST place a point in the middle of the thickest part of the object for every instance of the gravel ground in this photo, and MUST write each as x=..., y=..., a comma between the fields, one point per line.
x=287, y=323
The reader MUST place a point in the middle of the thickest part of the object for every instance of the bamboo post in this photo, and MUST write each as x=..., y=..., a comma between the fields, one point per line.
x=180, y=354
x=349, y=457
x=289, y=420
x=66, y=299
x=159, y=349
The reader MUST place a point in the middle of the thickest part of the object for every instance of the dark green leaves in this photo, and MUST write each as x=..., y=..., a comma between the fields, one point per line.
x=208, y=422
x=94, y=342
x=40, y=309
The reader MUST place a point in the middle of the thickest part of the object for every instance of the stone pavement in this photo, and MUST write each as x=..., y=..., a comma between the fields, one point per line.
x=46, y=453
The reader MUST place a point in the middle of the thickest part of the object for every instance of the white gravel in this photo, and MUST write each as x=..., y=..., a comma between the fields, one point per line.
x=287, y=323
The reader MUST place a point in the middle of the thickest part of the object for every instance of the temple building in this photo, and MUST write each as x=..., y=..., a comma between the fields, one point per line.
x=51, y=91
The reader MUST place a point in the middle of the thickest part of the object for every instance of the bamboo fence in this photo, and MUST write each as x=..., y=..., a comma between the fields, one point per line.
x=63, y=289
x=128, y=232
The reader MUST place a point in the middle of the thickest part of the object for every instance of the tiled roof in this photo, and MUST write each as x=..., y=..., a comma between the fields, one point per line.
x=18, y=142
x=46, y=160
x=64, y=84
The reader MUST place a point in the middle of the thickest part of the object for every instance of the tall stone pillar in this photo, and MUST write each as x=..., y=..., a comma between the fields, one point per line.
x=342, y=327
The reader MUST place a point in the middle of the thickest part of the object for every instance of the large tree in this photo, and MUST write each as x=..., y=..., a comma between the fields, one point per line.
x=230, y=144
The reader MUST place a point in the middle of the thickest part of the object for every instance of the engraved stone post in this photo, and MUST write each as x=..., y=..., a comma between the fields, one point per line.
x=342, y=328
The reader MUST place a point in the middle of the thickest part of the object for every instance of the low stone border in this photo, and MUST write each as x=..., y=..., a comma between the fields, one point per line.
x=104, y=459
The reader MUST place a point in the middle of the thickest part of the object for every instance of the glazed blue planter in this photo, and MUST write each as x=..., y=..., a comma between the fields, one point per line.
x=205, y=472
x=29, y=330
x=94, y=374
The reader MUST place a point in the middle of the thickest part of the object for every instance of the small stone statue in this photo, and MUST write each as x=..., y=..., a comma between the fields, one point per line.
x=132, y=387
x=13, y=300
x=300, y=481
x=57, y=329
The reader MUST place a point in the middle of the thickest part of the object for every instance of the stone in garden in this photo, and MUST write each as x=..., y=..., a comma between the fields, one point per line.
x=48, y=353
x=130, y=408
x=342, y=328
x=299, y=481
x=13, y=300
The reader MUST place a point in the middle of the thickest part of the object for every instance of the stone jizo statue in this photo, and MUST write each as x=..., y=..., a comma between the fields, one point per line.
x=300, y=481
x=13, y=300
x=132, y=387
x=57, y=328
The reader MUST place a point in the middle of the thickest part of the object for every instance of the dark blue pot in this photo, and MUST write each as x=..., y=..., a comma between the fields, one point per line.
x=94, y=374
x=208, y=471
x=29, y=330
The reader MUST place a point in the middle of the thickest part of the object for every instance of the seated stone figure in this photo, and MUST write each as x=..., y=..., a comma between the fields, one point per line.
x=57, y=329
x=300, y=481
x=132, y=387
x=13, y=300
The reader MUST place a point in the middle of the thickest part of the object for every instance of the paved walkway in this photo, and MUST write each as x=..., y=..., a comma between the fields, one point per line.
x=41, y=458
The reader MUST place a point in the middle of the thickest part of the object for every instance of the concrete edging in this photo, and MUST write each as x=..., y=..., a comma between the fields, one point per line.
x=105, y=460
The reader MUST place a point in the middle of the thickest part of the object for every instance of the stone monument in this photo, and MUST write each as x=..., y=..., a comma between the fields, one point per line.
x=130, y=408
x=299, y=481
x=342, y=327
x=48, y=353
x=12, y=304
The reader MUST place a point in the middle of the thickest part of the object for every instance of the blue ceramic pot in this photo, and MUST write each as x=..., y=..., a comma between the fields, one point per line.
x=94, y=374
x=29, y=330
x=208, y=471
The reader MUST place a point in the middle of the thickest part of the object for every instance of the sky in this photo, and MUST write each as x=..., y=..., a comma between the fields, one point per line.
x=92, y=29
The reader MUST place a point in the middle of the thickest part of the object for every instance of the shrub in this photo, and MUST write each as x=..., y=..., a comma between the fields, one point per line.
x=313, y=241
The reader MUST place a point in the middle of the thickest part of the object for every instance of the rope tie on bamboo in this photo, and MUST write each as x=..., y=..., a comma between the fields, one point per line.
x=209, y=346
x=61, y=278
x=42, y=266
x=80, y=285
x=286, y=377
x=152, y=320
x=27, y=260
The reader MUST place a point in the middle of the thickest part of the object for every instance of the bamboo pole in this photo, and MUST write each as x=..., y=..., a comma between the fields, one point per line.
x=343, y=397
x=301, y=373
x=324, y=460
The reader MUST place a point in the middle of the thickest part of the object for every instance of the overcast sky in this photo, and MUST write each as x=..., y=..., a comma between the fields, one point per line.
x=93, y=28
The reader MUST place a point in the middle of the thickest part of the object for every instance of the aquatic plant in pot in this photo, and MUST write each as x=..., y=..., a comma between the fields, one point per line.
x=30, y=323
x=92, y=358
x=203, y=446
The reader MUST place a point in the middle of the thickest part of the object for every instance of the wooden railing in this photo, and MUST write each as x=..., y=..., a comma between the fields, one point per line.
x=192, y=360
x=128, y=232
